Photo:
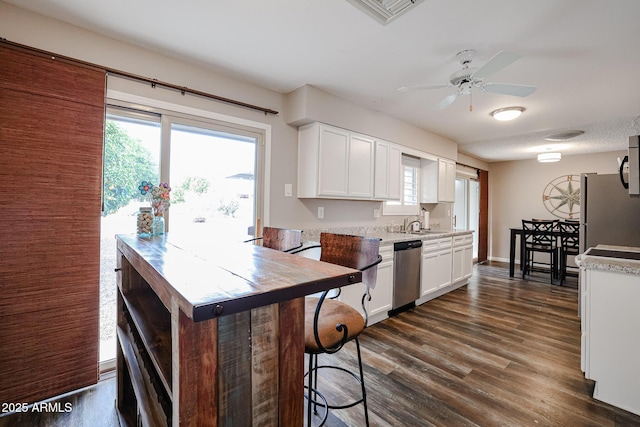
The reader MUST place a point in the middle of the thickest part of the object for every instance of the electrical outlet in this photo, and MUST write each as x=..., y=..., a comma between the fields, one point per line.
x=320, y=212
x=376, y=213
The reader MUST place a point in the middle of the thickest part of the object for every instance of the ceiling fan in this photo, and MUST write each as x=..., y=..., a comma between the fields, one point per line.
x=468, y=78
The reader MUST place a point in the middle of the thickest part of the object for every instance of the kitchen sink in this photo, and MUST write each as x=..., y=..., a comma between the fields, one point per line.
x=426, y=232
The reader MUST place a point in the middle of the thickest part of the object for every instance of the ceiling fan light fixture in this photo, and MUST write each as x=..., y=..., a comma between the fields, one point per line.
x=508, y=113
x=549, y=157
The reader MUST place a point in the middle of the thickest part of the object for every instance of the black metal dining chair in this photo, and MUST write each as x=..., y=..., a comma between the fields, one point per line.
x=569, y=245
x=540, y=237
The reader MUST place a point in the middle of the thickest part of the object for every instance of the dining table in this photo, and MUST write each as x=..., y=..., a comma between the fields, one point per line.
x=514, y=233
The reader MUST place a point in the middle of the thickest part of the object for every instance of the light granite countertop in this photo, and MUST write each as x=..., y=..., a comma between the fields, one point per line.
x=386, y=237
x=607, y=263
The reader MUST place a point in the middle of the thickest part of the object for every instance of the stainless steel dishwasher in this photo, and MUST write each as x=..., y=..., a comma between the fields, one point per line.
x=407, y=257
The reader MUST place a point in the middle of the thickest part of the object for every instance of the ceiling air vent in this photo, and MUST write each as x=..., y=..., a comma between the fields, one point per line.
x=563, y=136
x=385, y=10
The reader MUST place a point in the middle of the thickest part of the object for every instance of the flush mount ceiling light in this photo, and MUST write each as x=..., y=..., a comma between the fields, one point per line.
x=509, y=113
x=563, y=136
x=385, y=10
x=549, y=157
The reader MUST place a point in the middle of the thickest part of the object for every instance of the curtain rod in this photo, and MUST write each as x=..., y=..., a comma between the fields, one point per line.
x=469, y=166
x=153, y=82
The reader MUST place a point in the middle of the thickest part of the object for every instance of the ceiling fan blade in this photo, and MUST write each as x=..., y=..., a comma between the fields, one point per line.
x=497, y=63
x=506, y=89
x=421, y=87
x=446, y=101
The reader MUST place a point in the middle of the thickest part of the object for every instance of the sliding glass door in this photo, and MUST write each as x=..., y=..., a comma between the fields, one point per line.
x=213, y=180
x=215, y=173
x=131, y=154
x=466, y=208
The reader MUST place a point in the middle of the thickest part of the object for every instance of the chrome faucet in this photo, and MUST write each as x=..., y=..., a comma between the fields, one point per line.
x=408, y=224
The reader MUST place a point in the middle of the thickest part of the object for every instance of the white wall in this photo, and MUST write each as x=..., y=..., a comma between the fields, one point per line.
x=516, y=187
x=472, y=161
x=27, y=28
x=310, y=104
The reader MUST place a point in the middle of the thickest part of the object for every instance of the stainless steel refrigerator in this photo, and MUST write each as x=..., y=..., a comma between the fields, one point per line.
x=608, y=215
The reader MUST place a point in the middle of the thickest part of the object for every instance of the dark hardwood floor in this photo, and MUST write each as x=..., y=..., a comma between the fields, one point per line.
x=498, y=352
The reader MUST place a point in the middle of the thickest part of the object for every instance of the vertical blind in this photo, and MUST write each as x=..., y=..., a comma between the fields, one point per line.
x=51, y=126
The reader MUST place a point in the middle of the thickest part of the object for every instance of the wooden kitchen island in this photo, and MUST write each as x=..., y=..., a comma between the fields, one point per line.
x=213, y=335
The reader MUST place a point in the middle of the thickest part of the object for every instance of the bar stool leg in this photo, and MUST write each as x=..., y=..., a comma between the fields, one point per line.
x=364, y=392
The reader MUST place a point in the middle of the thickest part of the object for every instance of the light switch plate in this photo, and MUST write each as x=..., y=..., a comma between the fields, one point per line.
x=376, y=213
x=288, y=190
x=320, y=212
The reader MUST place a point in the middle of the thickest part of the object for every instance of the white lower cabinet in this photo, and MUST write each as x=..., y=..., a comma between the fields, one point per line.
x=467, y=262
x=429, y=281
x=381, y=294
x=436, y=265
x=610, y=338
x=447, y=263
x=462, y=258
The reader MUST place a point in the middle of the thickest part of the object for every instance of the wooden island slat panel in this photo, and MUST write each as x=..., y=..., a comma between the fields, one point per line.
x=264, y=381
x=291, y=377
x=236, y=327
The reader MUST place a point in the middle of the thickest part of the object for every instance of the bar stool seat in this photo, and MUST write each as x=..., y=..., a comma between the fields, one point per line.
x=332, y=313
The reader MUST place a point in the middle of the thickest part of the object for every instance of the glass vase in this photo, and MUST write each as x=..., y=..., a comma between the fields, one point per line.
x=158, y=225
x=145, y=222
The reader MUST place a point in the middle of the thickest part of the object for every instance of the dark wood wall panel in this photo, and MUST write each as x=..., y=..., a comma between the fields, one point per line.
x=51, y=127
x=483, y=231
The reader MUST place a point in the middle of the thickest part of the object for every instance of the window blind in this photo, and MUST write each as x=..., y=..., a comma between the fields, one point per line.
x=51, y=126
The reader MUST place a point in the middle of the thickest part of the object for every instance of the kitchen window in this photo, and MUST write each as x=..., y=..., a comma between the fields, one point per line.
x=409, y=202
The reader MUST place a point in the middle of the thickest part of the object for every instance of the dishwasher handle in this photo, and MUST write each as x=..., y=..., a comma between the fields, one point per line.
x=402, y=246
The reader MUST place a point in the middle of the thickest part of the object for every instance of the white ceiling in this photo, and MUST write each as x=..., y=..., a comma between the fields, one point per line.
x=583, y=55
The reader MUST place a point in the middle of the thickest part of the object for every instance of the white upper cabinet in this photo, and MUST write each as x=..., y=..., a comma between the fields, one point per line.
x=360, y=166
x=334, y=163
x=438, y=180
x=388, y=170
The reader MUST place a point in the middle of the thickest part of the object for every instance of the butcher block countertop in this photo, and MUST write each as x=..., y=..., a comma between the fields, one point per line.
x=209, y=279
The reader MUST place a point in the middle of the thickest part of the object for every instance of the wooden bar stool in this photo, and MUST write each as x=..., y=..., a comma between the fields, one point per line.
x=330, y=324
x=280, y=239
